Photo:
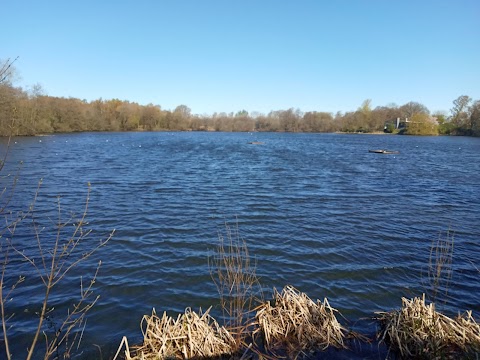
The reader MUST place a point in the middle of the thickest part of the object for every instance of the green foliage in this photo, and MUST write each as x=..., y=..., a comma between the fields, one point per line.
x=390, y=128
x=421, y=124
x=446, y=128
x=475, y=118
x=242, y=113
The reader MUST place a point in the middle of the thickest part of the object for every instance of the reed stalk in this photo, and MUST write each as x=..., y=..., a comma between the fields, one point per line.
x=418, y=331
x=189, y=335
x=237, y=283
x=440, y=269
x=295, y=323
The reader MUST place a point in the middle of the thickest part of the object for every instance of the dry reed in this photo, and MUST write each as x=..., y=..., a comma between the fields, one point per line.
x=234, y=275
x=296, y=323
x=418, y=331
x=190, y=335
x=440, y=268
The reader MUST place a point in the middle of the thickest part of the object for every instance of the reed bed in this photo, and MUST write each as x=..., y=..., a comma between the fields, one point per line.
x=296, y=323
x=418, y=331
x=190, y=335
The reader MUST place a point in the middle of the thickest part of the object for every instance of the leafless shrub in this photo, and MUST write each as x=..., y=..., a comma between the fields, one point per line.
x=51, y=258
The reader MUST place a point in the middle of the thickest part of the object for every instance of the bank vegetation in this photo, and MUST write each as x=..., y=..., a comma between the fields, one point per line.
x=38, y=113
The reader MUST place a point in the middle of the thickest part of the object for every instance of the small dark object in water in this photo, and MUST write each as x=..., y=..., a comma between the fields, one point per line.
x=256, y=143
x=380, y=151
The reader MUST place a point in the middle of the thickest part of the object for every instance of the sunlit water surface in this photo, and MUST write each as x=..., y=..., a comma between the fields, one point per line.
x=318, y=211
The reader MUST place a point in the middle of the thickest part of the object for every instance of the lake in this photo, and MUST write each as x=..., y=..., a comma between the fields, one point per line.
x=317, y=211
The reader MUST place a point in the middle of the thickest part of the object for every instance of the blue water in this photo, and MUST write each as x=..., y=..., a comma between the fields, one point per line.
x=318, y=211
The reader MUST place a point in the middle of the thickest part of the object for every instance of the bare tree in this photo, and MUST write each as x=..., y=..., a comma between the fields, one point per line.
x=412, y=108
x=460, y=110
x=7, y=70
x=475, y=118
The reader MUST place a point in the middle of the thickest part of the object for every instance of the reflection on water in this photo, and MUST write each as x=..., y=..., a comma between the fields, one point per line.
x=318, y=211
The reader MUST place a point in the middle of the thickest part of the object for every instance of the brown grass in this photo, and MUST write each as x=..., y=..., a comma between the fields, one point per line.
x=296, y=323
x=418, y=331
x=293, y=325
x=190, y=335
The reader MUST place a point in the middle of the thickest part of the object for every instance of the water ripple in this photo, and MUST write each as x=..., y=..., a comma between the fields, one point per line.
x=317, y=211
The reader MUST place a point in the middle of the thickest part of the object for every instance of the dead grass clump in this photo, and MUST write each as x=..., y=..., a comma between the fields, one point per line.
x=190, y=335
x=296, y=323
x=418, y=331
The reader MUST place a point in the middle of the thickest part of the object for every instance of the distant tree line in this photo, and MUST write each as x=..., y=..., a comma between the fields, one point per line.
x=34, y=112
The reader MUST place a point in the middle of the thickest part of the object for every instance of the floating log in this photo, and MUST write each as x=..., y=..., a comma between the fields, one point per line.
x=381, y=151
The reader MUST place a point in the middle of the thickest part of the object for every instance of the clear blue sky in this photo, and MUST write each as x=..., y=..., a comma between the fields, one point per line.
x=257, y=55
